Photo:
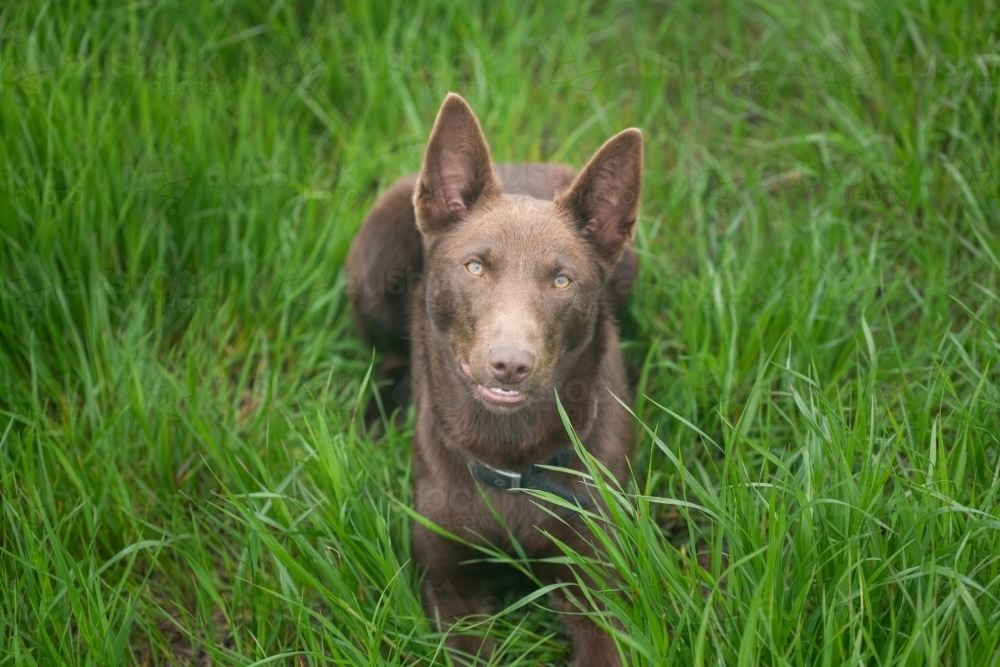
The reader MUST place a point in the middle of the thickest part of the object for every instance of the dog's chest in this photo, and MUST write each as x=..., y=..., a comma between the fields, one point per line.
x=483, y=515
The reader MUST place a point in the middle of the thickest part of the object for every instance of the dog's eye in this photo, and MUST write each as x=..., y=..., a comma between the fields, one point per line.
x=561, y=282
x=475, y=268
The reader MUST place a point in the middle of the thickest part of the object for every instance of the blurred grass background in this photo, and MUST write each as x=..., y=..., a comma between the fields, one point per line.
x=817, y=323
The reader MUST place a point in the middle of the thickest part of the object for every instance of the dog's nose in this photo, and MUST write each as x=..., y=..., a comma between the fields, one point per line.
x=510, y=364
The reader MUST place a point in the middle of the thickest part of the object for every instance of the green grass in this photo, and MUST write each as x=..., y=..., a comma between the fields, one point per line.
x=817, y=324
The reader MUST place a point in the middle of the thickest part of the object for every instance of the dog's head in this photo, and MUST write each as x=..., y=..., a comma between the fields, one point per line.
x=512, y=282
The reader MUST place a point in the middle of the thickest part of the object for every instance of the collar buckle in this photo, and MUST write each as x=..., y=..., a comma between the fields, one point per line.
x=503, y=479
x=508, y=480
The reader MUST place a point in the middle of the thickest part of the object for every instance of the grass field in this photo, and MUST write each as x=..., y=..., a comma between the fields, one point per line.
x=817, y=322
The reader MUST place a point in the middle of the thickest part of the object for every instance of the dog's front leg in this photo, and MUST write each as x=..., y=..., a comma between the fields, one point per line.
x=451, y=592
x=592, y=645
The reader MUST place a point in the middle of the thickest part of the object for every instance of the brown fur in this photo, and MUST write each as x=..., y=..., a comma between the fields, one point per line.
x=513, y=327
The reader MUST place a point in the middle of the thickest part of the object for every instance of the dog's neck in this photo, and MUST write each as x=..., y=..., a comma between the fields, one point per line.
x=518, y=439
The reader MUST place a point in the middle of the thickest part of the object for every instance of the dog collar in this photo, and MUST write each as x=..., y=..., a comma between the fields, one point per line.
x=508, y=480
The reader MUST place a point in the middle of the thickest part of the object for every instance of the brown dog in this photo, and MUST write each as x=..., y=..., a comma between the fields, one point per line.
x=509, y=278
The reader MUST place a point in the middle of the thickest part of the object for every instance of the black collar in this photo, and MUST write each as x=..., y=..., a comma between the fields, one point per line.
x=508, y=480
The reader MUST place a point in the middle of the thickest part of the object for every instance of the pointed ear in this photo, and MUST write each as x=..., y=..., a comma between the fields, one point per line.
x=457, y=170
x=604, y=198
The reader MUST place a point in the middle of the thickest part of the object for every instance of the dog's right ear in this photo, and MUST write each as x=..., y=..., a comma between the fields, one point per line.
x=457, y=171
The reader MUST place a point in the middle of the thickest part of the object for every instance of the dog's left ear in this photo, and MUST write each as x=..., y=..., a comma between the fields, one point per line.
x=604, y=198
x=457, y=171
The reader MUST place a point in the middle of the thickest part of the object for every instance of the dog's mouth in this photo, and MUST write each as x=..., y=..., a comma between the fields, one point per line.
x=495, y=396
x=500, y=396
